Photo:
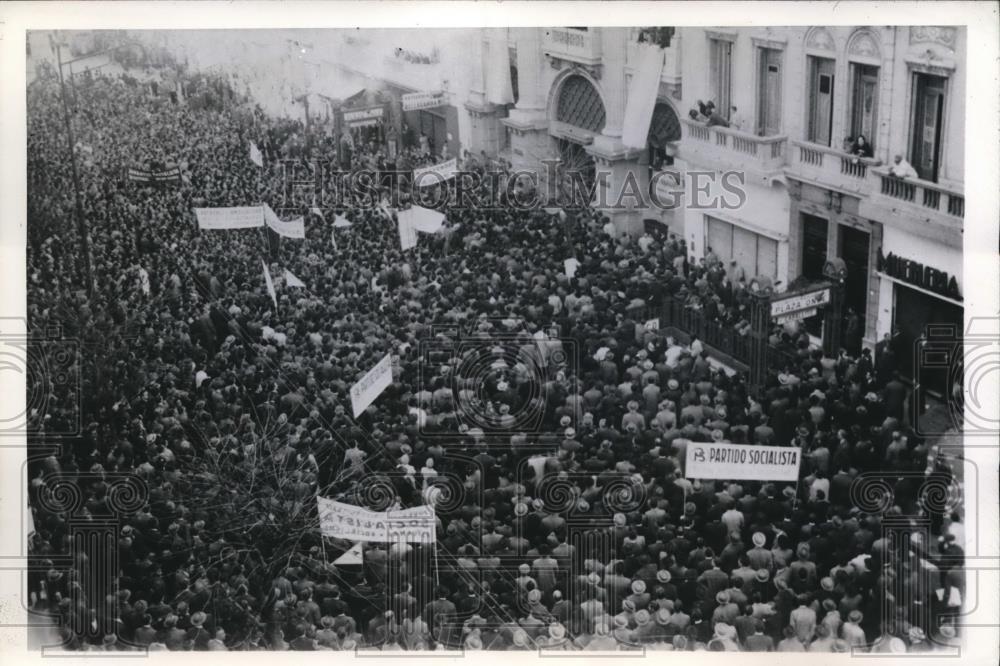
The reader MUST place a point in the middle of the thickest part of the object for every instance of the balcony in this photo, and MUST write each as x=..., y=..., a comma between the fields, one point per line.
x=927, y=209
x=724, y=148
x=830, y=168
x=573, y=45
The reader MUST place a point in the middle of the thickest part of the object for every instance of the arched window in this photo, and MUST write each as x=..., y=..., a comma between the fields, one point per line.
x=580, y=104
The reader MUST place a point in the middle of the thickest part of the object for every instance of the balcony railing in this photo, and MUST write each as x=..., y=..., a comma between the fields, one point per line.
x=765, y=152
x=922, y=193
x=582, y=46
x=832, y=167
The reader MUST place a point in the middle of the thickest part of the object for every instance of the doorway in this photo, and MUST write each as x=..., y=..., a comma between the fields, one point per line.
x=928, y=112
x=769, y=93
x=913, y=311
x=864, y=102
x=820, y=100
x=854, y=246
x=814, y=241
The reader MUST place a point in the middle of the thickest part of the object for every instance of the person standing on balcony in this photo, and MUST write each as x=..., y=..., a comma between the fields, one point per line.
x=901, y=168
x=861, y=148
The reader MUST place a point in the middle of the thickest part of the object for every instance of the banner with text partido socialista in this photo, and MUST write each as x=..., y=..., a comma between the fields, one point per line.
x=717, y=460
x=347, y=521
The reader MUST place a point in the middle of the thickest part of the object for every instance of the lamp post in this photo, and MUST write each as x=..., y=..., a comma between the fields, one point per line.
x=81, y=226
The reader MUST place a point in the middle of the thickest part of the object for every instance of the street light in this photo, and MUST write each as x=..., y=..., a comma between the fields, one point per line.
x=80, y=224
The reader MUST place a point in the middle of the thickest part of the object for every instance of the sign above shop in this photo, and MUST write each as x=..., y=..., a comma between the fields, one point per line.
x=363, y=115
x=797, y=302
x=798, y=315
x=912, y=272
x=423, y=100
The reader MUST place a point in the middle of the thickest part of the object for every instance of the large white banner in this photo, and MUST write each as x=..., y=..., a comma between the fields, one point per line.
x=499, y=88
x=369, y=387
x=742, y=461
x=238, y=217
x=423, y=100
x=642, y=96
x=441, y=172
x=291, y=229
x=356, y=523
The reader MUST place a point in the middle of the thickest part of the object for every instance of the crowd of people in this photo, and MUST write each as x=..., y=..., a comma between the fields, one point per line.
x=533, y=411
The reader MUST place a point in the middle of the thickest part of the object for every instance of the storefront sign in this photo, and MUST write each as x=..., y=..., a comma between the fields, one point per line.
x=796, y=302
x=363, y=116
x=925, y=277
x=423, y=100
x=742, y=461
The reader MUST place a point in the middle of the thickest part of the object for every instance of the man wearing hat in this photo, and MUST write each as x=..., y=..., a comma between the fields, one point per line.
x=852, y=631
x=639, y=597
x=725, y=611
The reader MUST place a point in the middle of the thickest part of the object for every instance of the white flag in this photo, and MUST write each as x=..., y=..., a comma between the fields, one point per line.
x=341, y=222
x=570, y=265
x=255, y=155
x=293, y=281
x=318, y=212
x=270, y=283
x=353, y=556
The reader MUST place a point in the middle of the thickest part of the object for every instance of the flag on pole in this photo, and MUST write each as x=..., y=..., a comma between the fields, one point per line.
x=255, y=155
x=341, y=222
x=270, y=283
x=355, y=556
x=293, y=281
x=318, y=212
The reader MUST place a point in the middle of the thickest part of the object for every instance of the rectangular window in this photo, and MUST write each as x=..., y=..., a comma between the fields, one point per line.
x=721, y=68
x=820, y=100
x=755, y=254
x=768, y=92
x=864, y=102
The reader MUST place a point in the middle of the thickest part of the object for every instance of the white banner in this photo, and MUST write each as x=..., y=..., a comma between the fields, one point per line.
x=291, y=229
x=423, y=219
x=363, y=117
x=423, y=100
x=442, y=172
x=642, y=95
x=238, y=217
x=742, y=461
x=369, y=387
x=292, y=281
x=346, y=521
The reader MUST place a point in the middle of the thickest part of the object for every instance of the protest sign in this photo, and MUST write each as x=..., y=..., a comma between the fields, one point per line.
x=255, y=155
x=369, y=387
x=346, y=521
x=171, y=175
x=652, y=324
x=407, y=234
x=423, y=100
x=237, y=217
x=441, y=172
x=742, y=461
x=570, y=266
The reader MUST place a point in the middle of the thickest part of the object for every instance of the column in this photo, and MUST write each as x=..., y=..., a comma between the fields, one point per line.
x=760, y=323
x=528, y=123
x=621, y=164
x=484, y=125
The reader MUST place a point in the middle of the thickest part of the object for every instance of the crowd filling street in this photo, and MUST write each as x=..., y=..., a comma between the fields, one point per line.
x=532, y=410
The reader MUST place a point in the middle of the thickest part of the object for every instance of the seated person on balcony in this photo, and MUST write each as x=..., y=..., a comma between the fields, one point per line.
x=715, y=119
x=902, y=169
x=705, y=109
x=861, y=148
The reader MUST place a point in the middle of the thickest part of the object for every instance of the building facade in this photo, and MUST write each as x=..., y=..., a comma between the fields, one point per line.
x=795, y=100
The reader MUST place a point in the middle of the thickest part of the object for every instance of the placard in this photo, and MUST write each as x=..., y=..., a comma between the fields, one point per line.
x=652, y=324
x=443, y=171
x=370, y=387
x=796, y=302
x=742, y=461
